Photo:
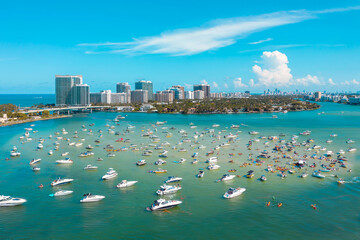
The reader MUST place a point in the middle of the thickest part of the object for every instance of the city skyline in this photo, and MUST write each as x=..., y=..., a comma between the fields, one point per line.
x=232, y=46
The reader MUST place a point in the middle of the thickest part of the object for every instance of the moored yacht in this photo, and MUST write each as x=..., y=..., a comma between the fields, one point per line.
x=168, y=189
x=111, y=173
x=173, y=179
x=64, y=161
x=162, y=204
x=60, y=181
x=61, y=193
x=90, y=167
x=126, y=183
x=200, y=174
x=35, y=160
x=141, y=162
x=213, y=167
x=227, y=177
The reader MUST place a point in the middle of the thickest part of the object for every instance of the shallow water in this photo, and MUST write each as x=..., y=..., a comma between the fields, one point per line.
x=204, y=213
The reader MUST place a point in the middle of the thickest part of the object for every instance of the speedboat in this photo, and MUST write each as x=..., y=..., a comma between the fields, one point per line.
x=351, y=149
x=317, y=174
x=50, y=152
x=141, y=162
x=15, y=154
x=200, y=174
x=173, y=179
x=7, y=201
x=212, y=160
x=86, y=154
x=61, y=193
x=213, y=167
x=60, y=181
x=90, y=167
x=65, y=154
x=88, y=197
x=340, y=181
x=341, y=152
x=160, y=170
x=250, y=174
x=168, y=189
x=304, y=175
x=253, y=133
x=162, y=204
x=227, y=177
x=40, y=146
x=234, y=192
x=35, y=169
x=182, y=160
x=35, y=160
x=125, y=183
x=263, y=178
x=160, y=162
x=65, y=161
x=111, y=173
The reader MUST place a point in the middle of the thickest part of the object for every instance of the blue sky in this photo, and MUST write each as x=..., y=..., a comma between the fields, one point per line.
x=232, y=45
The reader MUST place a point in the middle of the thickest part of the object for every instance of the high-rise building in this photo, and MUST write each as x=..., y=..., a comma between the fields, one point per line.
x=139, y=96
x=199, y=94
x=189, y=95
x=124, y=88
x=179, y=91
x=107, y=97
x=119, y=98
x=80, y=95
x=317, y=95
x=145, y=85
x=164, y=96
x=203, y=87
x=63, y=86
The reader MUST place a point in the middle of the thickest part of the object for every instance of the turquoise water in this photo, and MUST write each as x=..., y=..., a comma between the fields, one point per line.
x=204, y=214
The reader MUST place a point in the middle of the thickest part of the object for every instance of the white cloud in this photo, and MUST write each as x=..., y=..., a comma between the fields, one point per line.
x=226, y=85
x=308, y=81
x=261, y=41
x=204, y=81
x=355, y=82
x=188, y=86
x=251, y=82
x=331, y=82
x=238, y=83
x=215, y=85
x=275, y=70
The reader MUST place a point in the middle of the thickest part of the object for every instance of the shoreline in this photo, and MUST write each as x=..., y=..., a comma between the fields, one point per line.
x=11, y=123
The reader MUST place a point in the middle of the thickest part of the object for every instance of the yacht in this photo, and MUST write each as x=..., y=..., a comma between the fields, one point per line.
x=213, y=167
x=35, y=160
x=78, y=144
x=304, y=175
x=200, y=174
x=234, y=126
x=35, y=169
x=65, y=161
x=88, y=197
x=250, y=174
x=141, y=162
x=50, y=152
x=182, y=160
x=125, y=184
x=160, y=162
x=194, y=161
x=227, y=177
x=111, y=173
x=60, y=181
x=212, y=160
x=162, y=204
x=61, y=193
x=317, y=174
x=215, y=125
x=86, y=154
x=173, y=179
x=351, y=149
x=90, y=167
x=341, y=152
x=263, y=178
x=15, y=154
x=234, y=192
x=168, y=189
x=333, y=135
x=40, y=146
x=7, y=201
x=253, y=133
x=89, y=147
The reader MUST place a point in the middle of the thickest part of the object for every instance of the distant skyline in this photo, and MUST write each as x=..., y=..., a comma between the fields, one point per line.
x=231, y=45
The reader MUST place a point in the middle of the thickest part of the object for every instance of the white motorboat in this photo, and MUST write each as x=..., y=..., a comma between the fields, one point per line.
x=40, y=146
x=168, y=189
x=215, y=125
x=141, y=162
x=90, y=167
x=86, y=154
x=182, y=160
x=78, y=144
x=317, y=174
x=253, y=133
x=35, y=169
x=7, y=201
x=263, y=178
x=227, y=177
x=200, y=174
x=64, y=161
x=61, y=193
x=160, y=162
x=351, y=149
x=35, y=160
x=212, y=160
x=15, y=154
x=88, y=197
x=234, y=192
x=162, y=204
x=111, y=173
x=173, y=179
x=125, y=184
x=50, y=152
x=304, y=175
x=213, y=167
x=60, y=181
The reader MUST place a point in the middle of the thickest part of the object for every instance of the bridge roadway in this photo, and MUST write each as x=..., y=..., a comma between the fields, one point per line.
x=65, y=109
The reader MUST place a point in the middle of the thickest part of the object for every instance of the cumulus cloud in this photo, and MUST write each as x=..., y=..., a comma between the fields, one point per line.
x=215, y=85
x=188, y=86
x=226, y=85
x=238, y=83
x=355, y=82
x=331, y=82
x=274, y=70
x=204, y=81
x=308, y=81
